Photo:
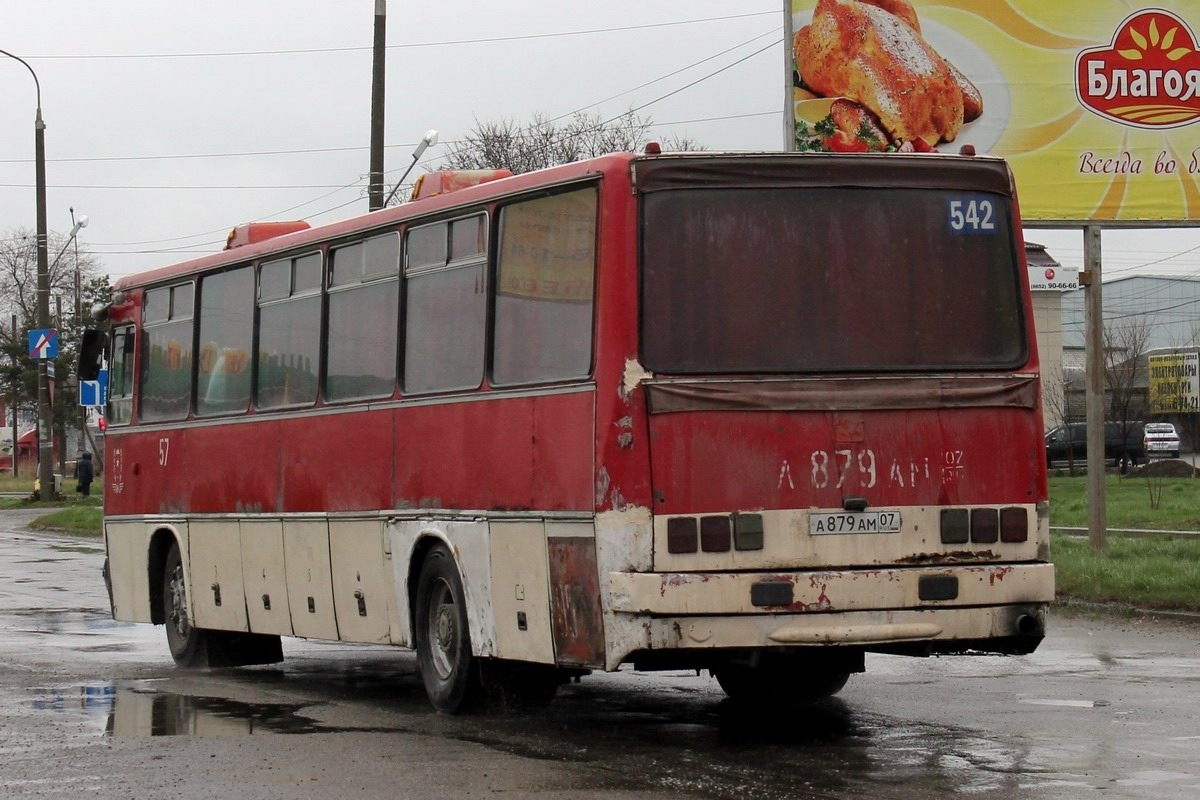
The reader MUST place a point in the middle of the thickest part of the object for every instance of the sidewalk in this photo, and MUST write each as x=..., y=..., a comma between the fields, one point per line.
x=17, y=520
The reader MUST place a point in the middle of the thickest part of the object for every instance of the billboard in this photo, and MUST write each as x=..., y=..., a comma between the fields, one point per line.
x=1174, y=383
x=1096, y=105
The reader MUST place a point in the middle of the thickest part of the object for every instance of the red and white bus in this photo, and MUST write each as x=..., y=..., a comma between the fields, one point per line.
x=758, y=414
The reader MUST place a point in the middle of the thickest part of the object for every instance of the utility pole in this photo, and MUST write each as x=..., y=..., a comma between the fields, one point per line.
x=375, y=181
x=1094, y=396
x=16, y=398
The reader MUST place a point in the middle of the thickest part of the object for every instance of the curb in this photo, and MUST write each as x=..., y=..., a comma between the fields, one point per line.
x=1190, y=617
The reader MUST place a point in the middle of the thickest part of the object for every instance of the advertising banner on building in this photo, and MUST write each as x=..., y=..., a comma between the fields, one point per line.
x=1096, y=105
x=1174, y=383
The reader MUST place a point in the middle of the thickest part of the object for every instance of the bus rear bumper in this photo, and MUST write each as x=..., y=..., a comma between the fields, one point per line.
x=992, y=608
x=695, y=642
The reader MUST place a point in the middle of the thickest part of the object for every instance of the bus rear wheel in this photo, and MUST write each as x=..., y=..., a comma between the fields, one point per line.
x=448, y=669
x=194, y=647
x=779, y=682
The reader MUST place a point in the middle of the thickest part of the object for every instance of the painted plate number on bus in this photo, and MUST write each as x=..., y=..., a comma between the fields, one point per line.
x=854, y=522
x=968, y=214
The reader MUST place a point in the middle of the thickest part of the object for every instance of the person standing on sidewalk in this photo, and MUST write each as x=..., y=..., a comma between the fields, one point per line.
x=84, y=473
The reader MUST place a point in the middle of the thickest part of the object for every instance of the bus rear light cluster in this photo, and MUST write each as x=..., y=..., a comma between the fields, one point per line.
x=714, y=534
x=984, y=525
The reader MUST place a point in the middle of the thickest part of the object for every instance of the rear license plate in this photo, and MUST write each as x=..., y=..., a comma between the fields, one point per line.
x=854, y=522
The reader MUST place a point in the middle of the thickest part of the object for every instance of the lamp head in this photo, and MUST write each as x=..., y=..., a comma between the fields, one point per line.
x=430, y=138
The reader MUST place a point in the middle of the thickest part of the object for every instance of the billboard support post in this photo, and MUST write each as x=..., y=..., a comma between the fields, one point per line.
x=1094, y=306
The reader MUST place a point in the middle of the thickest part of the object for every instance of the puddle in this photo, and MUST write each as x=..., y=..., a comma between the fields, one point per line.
x=89, y=698
x=141, y=713
x=1034, y=701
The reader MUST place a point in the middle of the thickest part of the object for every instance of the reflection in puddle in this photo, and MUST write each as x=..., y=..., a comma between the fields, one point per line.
x=92, y=697
x=141, y=713
x=1034, y=701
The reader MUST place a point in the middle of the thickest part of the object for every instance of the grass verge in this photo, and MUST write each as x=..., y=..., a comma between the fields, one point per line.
x=81, y=520
x=1169, y=504
x=1160, y=573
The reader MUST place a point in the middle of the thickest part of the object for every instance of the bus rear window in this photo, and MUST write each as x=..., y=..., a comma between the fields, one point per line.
x=829, y=280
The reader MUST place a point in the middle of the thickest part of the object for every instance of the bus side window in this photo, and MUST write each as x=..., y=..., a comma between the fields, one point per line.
x=545, y=280
x=120, y=377
x=445, y=315
x=166, y=380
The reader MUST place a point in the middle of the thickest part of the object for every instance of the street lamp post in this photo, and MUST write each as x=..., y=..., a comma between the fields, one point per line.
x=45, y=438
x=428, y=140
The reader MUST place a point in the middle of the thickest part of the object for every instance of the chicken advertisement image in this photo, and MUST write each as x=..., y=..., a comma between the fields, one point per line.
x=1096, y=105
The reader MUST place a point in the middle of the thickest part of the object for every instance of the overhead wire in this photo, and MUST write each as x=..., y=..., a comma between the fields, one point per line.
x=441, y=157
x=407, y=45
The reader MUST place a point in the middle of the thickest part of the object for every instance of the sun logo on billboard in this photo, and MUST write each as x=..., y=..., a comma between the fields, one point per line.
x=1147, y=77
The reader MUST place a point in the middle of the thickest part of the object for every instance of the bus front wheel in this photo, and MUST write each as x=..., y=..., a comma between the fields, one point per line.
x=194, y=647
x=448, y=669
x=189, y=646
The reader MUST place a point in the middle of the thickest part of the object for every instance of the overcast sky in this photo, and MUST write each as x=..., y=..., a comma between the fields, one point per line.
x=169, y=123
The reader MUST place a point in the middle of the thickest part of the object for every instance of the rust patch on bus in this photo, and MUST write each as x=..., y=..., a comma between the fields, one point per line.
x=955, y=557
x=578, y=625
x=673, y=579
x=995, y=574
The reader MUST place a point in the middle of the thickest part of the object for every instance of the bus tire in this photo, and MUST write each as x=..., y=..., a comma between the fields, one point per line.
x=188, y=645
x=770, y=683
x=448, y=669
x=196, y=648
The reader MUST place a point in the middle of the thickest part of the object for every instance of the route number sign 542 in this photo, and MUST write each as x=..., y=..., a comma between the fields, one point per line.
x=971, y=214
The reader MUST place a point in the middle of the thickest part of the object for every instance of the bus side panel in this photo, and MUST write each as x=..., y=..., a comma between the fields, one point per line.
x=309, y=584
x=575, y=607
x=264, y=578
x=363, y=595
x=217, y=594
x=334, y=462
x=128, y=546
x=519, y=453
x=534, y=451
x=521, y=591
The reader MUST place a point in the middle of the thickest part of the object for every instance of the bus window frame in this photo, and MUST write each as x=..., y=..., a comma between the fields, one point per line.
x=494, y=288
x=143, y=355
x=125, y=332
x=480, y=259
x=364, y=280
x=293, y=295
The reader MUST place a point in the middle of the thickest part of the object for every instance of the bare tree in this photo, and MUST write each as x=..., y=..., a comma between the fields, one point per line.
x=1056, y=387
x=508, y=144
x=18, y=272
x=1124, y=372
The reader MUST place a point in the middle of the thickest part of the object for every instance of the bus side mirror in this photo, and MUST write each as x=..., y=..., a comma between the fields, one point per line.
x=91, y=355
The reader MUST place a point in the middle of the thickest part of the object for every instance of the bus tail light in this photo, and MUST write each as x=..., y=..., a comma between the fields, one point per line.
x=715, y=534
x=956, y=525
x=985, y=525
x=748, y=531
x=681, y=535
x=1014, y=525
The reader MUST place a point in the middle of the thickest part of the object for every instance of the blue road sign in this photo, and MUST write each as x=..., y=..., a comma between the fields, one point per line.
x=43, y=344
x=94, y=393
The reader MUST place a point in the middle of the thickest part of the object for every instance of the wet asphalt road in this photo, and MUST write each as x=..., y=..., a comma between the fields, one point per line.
x=1106, y=708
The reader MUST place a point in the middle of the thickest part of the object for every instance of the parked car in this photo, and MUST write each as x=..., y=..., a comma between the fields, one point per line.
x=1161, y=439
x=1070, y=441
